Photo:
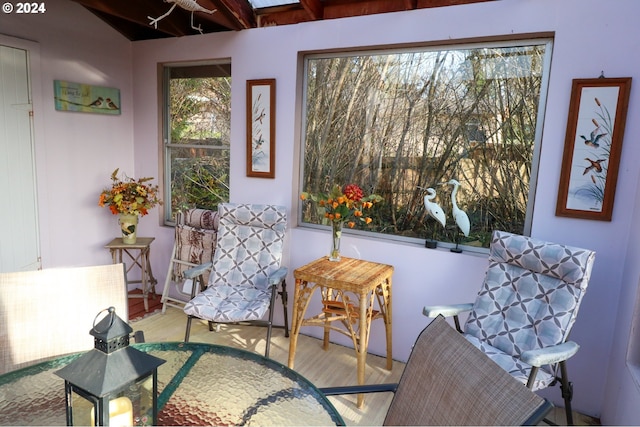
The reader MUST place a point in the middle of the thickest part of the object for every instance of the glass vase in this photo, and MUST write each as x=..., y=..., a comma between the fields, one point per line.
x=129, y=227
x=336, y=234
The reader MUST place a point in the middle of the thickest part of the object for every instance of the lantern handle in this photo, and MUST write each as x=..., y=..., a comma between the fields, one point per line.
x=112, y=314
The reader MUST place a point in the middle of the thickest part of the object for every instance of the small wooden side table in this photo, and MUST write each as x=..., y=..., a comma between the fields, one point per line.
x=349, y=288
x=141, y=260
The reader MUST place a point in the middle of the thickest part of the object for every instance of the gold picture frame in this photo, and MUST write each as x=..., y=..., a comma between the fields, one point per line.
x=261, y=128
x=593, y=143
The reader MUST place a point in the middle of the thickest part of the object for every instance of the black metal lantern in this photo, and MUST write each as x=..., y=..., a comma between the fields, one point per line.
x=113, y=384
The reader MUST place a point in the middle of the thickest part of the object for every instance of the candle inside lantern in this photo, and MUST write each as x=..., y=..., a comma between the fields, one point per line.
x=120, y=412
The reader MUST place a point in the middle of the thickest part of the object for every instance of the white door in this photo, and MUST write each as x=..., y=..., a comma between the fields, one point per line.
x=19, y=247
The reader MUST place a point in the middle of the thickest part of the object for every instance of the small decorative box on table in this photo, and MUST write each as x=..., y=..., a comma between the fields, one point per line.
x=141, y=260
x=349, y=288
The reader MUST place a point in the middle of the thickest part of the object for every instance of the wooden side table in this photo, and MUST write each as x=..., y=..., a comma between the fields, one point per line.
x=349, y=288
x=140, y=260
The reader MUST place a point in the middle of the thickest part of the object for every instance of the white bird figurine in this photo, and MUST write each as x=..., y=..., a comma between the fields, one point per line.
x=433, y=209
x=460, y=216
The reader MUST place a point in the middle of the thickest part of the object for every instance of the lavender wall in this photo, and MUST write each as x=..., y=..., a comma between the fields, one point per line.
x=580, y=50
x=76, y=153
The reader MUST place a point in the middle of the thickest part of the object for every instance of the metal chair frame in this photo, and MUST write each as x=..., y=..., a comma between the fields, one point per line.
x=274, y=280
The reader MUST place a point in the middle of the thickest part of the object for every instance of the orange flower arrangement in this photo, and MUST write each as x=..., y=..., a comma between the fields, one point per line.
x=344, y=204
x=129, y=196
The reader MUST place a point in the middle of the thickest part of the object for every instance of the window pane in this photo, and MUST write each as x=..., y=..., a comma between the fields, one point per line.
x=198, y=117
x=398, y=122
x=199, y=177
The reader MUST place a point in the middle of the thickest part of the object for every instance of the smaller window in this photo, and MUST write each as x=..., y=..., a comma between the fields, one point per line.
x=196, y=141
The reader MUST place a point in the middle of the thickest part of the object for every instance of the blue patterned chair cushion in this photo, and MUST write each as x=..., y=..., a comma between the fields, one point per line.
x=529, y=300
x=249, y=249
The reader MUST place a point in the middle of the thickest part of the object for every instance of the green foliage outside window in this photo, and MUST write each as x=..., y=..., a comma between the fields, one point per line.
x=396, y=122
x=197, y=148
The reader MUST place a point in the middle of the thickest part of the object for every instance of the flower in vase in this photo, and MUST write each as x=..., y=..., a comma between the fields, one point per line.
x=129, y=196
x=344, y=204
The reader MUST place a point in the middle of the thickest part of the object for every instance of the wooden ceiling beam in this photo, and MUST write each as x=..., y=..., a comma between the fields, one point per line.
x=240, y=11
x=422, y=4
x=314, y=8
x=132, y=17
x=124, y=9
x=332, y=9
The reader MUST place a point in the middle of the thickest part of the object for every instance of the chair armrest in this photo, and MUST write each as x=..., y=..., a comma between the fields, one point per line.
x=357, y=389
x=550, y=355
x=446, y=310
x=196, y=271
x=278, y=276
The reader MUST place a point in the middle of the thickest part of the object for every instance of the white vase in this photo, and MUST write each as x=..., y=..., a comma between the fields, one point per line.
x=129, y=227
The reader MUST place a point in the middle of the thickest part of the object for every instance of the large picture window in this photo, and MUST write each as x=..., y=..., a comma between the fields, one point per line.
x=197, y=124
x=396, y=122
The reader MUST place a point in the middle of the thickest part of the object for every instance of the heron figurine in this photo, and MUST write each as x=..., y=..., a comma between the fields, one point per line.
x=434, y=211
x=460, y=216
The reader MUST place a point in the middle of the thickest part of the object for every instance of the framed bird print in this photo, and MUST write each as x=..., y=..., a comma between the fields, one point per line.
x=86, y=98
x=593, y=143
x=261, y=128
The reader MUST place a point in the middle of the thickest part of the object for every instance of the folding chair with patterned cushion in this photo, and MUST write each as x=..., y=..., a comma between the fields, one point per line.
x=526, y=307
x=448, y=381
x=245, y=272
x=196, y=232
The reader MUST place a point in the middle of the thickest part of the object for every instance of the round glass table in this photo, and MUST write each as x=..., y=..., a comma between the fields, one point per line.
x=200, y=384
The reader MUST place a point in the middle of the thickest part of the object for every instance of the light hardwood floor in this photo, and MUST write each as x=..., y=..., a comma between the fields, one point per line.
x=336, y=366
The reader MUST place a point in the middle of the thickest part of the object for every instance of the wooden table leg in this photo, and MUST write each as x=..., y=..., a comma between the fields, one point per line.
x=361, y=352
x=295, y=323
x=152, y=280
x=386, y=295
x=327, y=294
x=143, y=279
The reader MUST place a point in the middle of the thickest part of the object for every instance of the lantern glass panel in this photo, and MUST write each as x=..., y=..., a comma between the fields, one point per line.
x=131, y=406
x=83, y=409
x=141, y=395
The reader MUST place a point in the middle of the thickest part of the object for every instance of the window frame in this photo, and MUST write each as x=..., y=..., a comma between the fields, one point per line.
x=546, y=40
x=165, y=76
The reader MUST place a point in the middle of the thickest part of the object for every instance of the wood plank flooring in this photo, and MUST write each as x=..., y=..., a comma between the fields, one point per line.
x=336, y=366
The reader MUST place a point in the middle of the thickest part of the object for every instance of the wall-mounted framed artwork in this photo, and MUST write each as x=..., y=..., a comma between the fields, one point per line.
x=86, y=98
x=593, y=143
x=261, y=128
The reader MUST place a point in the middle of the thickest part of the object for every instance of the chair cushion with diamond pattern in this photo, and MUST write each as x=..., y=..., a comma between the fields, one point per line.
x=529, y=300
x=248, y=250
